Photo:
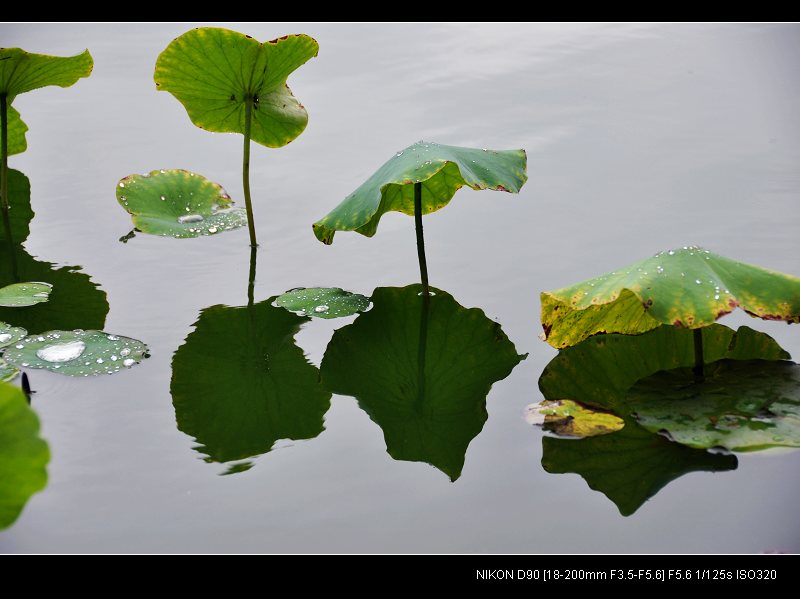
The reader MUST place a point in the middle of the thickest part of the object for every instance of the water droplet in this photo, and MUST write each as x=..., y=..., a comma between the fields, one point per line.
x=114, y=358
x=125, y=352
x=5, y=337
x=61, y=352
x=112, y=337
x=321, y=308
x=671, y=252
x=121, y=184
x=212, y=229
x=697, y=281
x=716, y=296
x=400, y=153
x=128, y=362
x=190, y=218
x=19, y=346
x=99, y=360
x=163, y=198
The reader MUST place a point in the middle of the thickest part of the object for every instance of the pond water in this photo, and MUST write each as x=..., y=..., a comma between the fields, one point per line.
x=639, y=138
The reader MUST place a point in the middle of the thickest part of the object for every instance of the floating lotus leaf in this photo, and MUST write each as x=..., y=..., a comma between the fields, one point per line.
x=7, y=372
x=741, y=405
x=211, y=71
x=689, y=287
x=177, y=203
x=567, y=418
x=23, y=454
x=21, y=295
x=323, y=302
x=442, y=170
x=76, y=353
x=9, y=334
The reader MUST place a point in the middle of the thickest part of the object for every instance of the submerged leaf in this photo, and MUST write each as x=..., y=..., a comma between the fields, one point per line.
x=20, y=295
x=741, y=405
x=9, y=334
x=567, y=418
x=240, y=383
x=16, y=133
x=442, y=170
x=211, y=71
x=689, y=287
x=177, y=203
x=22, y=71
x=20, y=212
x=77, y=353
x=323, y=302
x=23, y=454
x=421, y=368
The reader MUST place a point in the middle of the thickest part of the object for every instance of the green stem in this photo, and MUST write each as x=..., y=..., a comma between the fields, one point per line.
x=251, y=282
x=698, y=356
x=248, y=117
x=423, y=265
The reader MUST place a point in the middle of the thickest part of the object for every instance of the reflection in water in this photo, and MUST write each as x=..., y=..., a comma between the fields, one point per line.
x=75, y=302
x=421, y=367
x=631, y=465
x=239, y=382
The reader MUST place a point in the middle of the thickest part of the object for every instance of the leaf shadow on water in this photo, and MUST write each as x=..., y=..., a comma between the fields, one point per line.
x=421, y=367
x=240, y=383
x=631, y=465
x=75, y=301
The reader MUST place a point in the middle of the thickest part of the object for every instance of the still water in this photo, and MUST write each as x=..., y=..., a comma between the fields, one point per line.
x=640, y=138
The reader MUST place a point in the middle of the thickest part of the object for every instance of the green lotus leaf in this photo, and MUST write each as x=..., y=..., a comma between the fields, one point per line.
x=23, y=454
x=240, y=383
x=741, y=405
x=323, y=302
x=177, y=203
x=20, y=295
x=441, y=170
x=600, y=370
x=76, y=353
x=421, y=368
x=7, y=372
x=22, y=71
x=16, y=133
x=211, y=71
x=568, y=418
x=689, y=287
x=629, y=466
x=10, y=334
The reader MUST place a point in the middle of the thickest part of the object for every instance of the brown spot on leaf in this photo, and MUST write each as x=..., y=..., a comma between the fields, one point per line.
x=679, y=323
x=647, y=304
x=501, y=188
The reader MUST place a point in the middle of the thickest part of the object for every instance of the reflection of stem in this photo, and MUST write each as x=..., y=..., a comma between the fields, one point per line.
x=26, y=387
x=248, y=116
x=698, y=356
x=4, y=181
x=423, y=265
x=423, y=344
x=251, y=281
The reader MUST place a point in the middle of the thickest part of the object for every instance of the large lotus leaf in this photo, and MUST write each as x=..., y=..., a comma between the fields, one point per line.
x=601, y=369
x=75, y=301
x=568, y=418
x=16, y=133
x=741, y=405
x=441, y=170
x=629, y=466
x=22, y=71
x=177, y=203
x=689, y=287
x=20, y=212
x=76, y=353
x=23, y=454
x=421, y=368
x=323, y=302
x=211, y=71
x=239, y=382
x=10, y=334
x=22, y=295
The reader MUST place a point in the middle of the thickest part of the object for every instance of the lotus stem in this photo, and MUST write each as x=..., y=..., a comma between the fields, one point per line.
x=4, y=184
x=248, y=117
x=698, y=356
x=423, y=265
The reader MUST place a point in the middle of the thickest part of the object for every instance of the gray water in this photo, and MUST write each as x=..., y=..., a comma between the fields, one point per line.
x=640, y=138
